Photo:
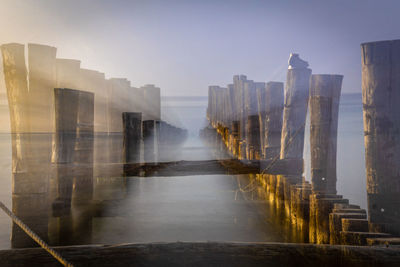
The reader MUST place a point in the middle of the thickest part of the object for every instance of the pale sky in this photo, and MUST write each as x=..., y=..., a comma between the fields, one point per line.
x=184, y=46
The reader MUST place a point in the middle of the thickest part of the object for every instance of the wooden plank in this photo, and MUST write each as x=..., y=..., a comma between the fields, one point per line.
x=207, y=254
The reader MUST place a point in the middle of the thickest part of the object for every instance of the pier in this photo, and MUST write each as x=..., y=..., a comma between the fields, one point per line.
x=84, y=146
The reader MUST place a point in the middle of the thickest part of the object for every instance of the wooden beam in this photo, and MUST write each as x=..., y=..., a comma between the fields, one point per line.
x=207, y=254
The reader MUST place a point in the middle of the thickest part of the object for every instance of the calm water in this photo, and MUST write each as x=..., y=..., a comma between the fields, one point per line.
x=190, y=208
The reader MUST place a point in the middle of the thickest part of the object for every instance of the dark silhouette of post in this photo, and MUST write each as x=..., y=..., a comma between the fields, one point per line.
x=149, y=140
x=132, y=126
x=66, y=103
x=381, y=109
x=84, y=148
x=324, y=110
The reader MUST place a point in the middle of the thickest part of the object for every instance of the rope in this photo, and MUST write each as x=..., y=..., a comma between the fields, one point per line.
x=34, y=236
x=274, y=160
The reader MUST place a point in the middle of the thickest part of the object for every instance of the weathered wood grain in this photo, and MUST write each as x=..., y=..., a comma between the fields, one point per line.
x=208, y=254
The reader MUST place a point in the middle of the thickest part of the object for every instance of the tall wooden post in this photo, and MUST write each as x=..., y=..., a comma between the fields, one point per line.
x=261, y=106
x=30, y=166
x=293, y=124
x=84, y=149
x=132, y=123
x=324, y=110
x=238, y=84
x=381, y=107
x=273, y=119
x=66, y=102
x=294, y=113
x=42, y=80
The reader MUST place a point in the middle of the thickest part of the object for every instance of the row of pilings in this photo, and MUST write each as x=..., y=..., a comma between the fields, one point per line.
x=266, y=122
x=70, y=127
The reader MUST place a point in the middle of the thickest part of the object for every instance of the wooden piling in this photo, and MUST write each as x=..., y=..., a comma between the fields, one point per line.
x=381, y=107
x=42, y=81
x=253, y=138
x=273, y=119
x=324, y=110
x=132, y=123
x=30, y=163
x=84, y=149
x=238, y=84
x=294, y=117
x=294, y=113
x=149, y=138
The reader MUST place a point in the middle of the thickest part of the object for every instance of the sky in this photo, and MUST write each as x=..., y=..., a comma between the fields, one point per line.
x=185, y=46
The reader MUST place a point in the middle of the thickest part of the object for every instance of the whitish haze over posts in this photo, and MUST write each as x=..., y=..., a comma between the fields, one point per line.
x=183, y=46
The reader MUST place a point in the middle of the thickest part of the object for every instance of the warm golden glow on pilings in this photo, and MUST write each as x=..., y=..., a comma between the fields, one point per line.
x=30, y=103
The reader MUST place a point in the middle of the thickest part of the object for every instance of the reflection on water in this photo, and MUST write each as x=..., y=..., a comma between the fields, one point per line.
x=190, y=208
x=138, y=209
x=151, y=209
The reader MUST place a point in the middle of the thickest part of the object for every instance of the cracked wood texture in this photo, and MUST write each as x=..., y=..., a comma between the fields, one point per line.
x=324, y=111
x=381, y=108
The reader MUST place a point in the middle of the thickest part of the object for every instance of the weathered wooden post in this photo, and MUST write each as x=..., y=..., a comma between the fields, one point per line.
x=253, y=137
x=117, y=103
x=249, y=117
x=29, y=183
x=273, y=119
x=132, y=123
x=66, y=103
x=149, y=139
x=294, y=112
x=261, y=106
x=42, y=80
x=84, y=148
x=238, y=84
x=324, y=111
x=381, y=107
x=294, y=118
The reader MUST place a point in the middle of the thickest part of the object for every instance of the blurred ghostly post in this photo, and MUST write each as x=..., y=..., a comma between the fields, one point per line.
x=132, y=123
x=261, y=107
x=83, y=190
x=152, y=100
x=230, y=117
x=94, y=82
x=67, y=73
x=252, y=123
x=295, y=110
x=149, y=139
x=324, y=111
x=238, y=85
x=66, y=120
x=273, y=119
x=381, y=108
x=42, y=80
x=118, y=91
x=151, y=114
x=294, y=118
x=30, y=186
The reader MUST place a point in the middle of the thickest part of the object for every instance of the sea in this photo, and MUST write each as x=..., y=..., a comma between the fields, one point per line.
x=200, y=207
